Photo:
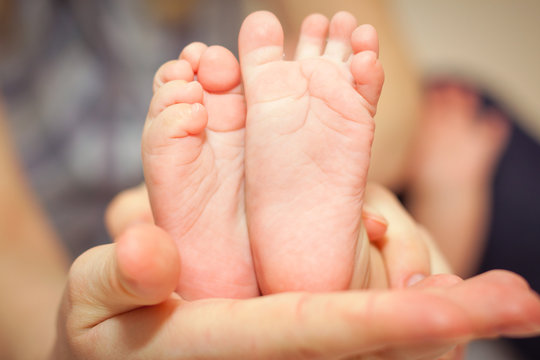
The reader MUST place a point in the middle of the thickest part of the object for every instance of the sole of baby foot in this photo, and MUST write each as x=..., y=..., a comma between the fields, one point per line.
x=193, y=157
x=309, y=132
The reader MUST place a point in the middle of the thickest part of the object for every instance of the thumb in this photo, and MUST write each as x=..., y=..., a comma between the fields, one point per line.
x=127, y=208
x=141, y=268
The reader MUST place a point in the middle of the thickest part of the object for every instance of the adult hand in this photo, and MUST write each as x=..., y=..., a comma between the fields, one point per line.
x=119, y=304
x=407, y=249
x=129, y=207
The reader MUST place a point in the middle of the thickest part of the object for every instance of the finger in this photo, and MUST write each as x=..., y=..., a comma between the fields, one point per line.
x=457, y=354
x=141, y=268
x=438, y=262
x=368, y=271
x=439, y=281
x=491, y=289
x=411, y=322
x=127, y=208
x=375, y=224
x=405, y=254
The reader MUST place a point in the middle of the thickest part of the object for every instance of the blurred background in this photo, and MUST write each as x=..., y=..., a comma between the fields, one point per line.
x=75, y=83
x=492, y=42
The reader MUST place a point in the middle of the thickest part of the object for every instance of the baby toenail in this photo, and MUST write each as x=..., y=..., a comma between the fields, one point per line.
x=196, y=107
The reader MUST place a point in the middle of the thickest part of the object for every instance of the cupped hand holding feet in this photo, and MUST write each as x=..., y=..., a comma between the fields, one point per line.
x=307, y=136
x=120, y=304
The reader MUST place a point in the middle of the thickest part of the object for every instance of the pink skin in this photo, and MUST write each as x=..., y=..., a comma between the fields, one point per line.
x=458, y=150
x=128, y=309
x=193, y=157
x=309, y=131
x=459, y=144
x=194, y=160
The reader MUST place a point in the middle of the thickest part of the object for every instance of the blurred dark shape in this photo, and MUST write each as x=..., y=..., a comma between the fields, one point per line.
x=514, y=237
x=7, y=9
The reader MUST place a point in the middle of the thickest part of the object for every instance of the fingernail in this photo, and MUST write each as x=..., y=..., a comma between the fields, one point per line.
x=372, y=214
x=415, y=279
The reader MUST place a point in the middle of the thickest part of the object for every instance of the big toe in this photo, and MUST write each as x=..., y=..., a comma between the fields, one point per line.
x=218, y=70
x=260, y=40
x=219, y=75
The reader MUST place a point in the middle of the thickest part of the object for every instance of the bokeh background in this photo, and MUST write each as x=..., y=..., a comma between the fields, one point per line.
x=494, y=43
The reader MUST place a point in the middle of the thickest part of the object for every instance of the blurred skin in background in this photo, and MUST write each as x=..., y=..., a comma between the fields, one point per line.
x=33, y=264
x=402, y=159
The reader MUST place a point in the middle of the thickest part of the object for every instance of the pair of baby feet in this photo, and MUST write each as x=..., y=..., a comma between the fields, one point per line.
x=258, y=169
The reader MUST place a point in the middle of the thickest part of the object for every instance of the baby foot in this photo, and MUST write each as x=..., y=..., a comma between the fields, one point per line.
x=193, y=158
x=308, y=142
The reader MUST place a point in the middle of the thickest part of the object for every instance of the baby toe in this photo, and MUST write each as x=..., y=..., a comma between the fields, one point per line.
x=312, y=37
x=172, y=70
x=368, y=76
x=175, y=92
x=364, y=38
x=192, y=54
x=342, y=26
x=219, y=70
